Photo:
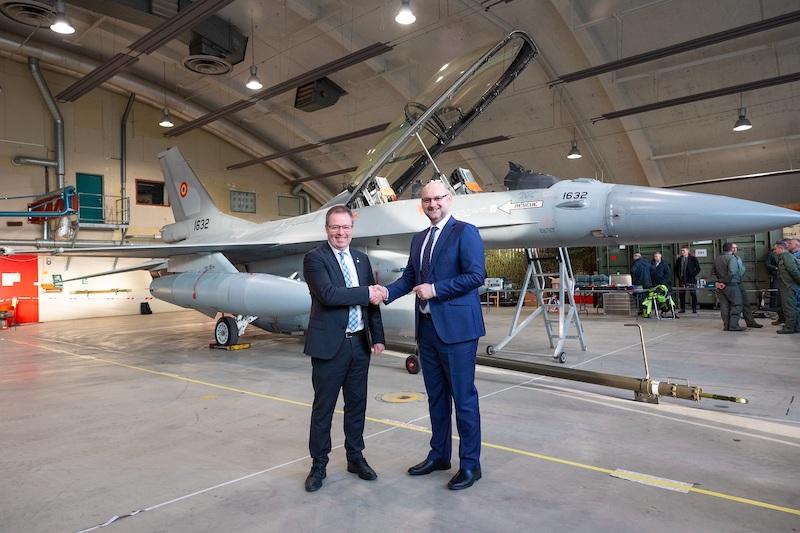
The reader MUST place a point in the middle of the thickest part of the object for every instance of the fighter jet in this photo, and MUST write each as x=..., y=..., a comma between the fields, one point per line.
x=216, y=263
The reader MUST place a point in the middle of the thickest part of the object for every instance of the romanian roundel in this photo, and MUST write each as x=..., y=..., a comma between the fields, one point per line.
x=183, y=189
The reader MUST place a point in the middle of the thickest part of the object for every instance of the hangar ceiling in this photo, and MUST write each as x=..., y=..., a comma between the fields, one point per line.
x=666, y=147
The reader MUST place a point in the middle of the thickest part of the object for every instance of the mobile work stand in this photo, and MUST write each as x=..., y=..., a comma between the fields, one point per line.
x=556, y=305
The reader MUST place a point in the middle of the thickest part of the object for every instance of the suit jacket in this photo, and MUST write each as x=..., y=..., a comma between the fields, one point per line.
x=692, y=269
x=457, y=270
x=331, y=300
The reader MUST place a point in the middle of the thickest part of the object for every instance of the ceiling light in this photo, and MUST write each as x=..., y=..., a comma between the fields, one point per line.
x=253, y=83
x=574, y=153
x=743, y=124
x=61, y=24
x=166, y=119
x=405, y=16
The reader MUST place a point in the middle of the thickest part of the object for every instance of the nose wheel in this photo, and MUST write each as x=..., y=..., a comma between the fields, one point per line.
x=226, y=332
x=561, y=358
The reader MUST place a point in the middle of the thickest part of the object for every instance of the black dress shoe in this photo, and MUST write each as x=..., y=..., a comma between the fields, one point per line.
x=736, y=328
x=360, y=467
x=314, y=479
x=784, y=331
x=427, y=466
x=755, y=325
x=464, y=479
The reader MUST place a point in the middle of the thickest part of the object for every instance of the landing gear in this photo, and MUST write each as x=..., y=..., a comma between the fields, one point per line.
x=490, y=349
x=412, y=362
x=561, y=358
x=226, y=331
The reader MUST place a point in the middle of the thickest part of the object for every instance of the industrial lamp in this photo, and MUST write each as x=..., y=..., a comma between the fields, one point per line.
x=405, y=16
x=60, y=23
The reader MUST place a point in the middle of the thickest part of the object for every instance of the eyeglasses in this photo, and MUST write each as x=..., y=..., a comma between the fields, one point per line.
x=434, y=199
x=337, y=227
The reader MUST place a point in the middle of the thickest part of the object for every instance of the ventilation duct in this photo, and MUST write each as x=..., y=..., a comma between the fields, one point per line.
x=36, y=13
x=214, y=45
x=317, y=95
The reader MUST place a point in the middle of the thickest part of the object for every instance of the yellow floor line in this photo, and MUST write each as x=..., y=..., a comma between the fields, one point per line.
x=403, y=425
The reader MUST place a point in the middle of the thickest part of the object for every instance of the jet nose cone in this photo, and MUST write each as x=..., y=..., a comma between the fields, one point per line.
x=648, y=215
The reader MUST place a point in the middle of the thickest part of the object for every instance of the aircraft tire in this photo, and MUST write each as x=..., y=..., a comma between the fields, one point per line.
x=226, y=332
x=412, y=364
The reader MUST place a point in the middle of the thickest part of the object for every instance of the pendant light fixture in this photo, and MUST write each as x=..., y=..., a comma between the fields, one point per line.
x=742, y=124
x=253, y=83
x=60, y=23
x=405, y=16
x=166, y=119
x=574, y=153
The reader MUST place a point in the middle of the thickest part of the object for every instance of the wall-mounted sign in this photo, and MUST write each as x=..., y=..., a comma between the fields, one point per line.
x=701, y=252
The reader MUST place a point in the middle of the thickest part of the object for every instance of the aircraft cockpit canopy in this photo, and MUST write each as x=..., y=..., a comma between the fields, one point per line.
x=457, y=93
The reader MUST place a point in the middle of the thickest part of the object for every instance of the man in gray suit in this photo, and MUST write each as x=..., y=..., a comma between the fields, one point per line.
x=729, y=277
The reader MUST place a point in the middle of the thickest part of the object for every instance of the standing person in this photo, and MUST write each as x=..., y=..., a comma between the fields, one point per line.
x=687, y=267
x=341, y=327
x=445, y=268
x=641, y=276
x=726, y=269
x=747, y=311
x=662, y=274
x=774, y=286
x=793, y=246
x=789, y=274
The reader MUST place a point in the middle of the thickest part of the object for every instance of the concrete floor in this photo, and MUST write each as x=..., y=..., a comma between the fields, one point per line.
x=105, y=417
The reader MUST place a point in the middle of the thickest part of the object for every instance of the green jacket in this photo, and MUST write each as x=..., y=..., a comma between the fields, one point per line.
x=727, y=269
x=789, y=270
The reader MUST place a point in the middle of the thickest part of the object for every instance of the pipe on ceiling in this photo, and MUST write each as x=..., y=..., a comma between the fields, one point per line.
x=123, y=161
x=153, y=95
x=58, y=127
x=679, y=48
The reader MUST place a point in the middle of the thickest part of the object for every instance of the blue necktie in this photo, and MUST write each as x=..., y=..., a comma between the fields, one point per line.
x=426, y=255
x=352, y=319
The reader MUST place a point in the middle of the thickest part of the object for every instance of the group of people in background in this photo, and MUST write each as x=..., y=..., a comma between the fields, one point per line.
x=783, y=264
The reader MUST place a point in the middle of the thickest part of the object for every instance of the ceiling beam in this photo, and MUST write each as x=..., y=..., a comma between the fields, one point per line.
x=679, y=48
x=724, y=91
x=148, y=43
x=298, y=149
x=328, y=68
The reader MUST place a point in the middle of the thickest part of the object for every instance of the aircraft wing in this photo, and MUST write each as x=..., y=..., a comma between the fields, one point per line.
x=155, y=264
x=242, y=249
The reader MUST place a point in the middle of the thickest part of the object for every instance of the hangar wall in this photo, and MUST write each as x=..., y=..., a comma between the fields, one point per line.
x=92, y=126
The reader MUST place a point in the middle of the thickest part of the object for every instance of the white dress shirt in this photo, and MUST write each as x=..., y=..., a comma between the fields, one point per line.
x=351, y=267
x=425, y=308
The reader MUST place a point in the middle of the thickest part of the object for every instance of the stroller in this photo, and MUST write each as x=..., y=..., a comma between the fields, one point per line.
x=658, y=301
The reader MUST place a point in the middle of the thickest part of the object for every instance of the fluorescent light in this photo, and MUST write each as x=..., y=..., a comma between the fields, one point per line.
x=742, y=124
x=574, y=153
x=61, y=24
x=253, y=83
x=166, y=119
x=405, y=16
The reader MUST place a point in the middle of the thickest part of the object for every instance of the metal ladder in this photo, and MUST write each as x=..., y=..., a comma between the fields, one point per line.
x=567, y=311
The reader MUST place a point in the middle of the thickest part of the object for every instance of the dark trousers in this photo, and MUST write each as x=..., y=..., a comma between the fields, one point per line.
x=449, y=374
x=747, y=311
x=692, y=295
x=347, y=371
x=730, y=305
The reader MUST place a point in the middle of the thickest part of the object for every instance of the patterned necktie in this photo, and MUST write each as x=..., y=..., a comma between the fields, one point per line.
x=352, y=319
x=426, y=255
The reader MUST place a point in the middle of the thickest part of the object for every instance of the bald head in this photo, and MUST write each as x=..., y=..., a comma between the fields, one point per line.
x=436, y=201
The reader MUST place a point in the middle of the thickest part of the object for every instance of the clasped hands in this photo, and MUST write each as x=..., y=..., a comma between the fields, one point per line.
x=379, y=293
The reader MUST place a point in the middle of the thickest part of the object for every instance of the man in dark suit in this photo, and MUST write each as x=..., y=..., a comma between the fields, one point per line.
x=341, y=327
x=444, y=270
x=687, y=267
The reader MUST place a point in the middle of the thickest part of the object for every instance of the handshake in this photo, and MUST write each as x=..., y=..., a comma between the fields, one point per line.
x=378, y=294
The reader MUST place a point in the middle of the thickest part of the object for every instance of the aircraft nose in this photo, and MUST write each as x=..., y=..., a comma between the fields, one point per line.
x=643, y=214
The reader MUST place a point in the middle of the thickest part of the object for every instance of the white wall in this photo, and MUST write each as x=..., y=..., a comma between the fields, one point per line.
x=92, y=126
